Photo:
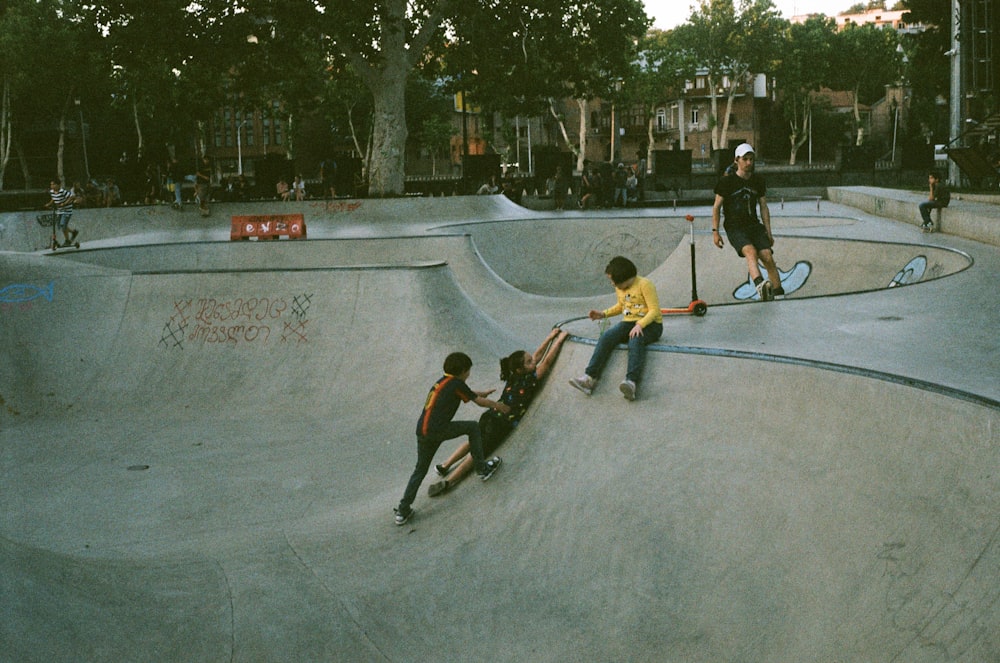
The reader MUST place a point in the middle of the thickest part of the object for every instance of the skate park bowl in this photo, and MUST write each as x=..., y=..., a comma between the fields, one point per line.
x=202, y=442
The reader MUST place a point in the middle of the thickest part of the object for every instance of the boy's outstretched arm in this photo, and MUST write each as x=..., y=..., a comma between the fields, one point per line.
x=482, y=401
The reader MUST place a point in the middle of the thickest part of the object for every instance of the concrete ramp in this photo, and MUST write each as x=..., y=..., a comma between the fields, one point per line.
x=852, y=520
x=201, y=445
x=566, y=258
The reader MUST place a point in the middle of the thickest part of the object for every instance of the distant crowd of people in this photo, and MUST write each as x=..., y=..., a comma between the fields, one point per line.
x=602, y=185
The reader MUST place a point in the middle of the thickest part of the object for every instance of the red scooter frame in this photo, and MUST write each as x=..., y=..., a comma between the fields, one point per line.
x=697, y=306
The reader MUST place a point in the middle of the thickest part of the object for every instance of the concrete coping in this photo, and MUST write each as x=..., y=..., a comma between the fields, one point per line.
x=973, y=217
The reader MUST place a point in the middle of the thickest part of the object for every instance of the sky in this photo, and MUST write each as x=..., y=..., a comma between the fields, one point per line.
x=668, y=14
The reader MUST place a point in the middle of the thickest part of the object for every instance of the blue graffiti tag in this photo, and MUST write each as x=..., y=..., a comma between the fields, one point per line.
x=18, y=293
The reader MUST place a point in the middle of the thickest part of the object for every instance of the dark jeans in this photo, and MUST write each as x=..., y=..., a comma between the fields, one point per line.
x=427, y=446
x=494, y=428
x=616, y=335
x=925, y=210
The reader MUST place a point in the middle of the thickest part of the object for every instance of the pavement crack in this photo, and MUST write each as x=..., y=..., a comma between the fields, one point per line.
x=345, y=608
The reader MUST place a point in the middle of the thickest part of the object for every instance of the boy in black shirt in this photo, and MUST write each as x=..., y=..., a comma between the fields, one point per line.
x=435, y=426
x=737, y=195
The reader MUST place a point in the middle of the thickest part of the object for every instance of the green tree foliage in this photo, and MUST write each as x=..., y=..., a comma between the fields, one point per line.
x=928, y=70
x=864, y=60
x=521, y=58
x=803, y=69
x=661, y=72
x=731, y=44
x=174, y=63
x=50, y=57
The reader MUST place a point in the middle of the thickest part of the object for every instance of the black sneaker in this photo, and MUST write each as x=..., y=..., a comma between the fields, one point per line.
x=492, y=465
x=441, y=470
x=778, y=293
x=437, y=488
x=402, y=516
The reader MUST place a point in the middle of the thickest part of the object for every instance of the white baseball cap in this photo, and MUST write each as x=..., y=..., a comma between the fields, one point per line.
x=744, y=148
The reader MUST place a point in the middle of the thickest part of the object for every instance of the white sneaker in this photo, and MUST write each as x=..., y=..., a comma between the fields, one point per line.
x=584, y=383
x=764, y=291
x=628, y=390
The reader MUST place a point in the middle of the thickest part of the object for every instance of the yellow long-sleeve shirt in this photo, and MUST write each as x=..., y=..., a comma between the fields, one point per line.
x=637, y=303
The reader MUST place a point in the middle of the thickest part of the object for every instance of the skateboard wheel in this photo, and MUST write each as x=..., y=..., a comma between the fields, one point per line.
x=700, y=309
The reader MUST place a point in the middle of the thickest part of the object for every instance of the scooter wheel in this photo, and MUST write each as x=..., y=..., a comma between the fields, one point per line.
x=700, y=309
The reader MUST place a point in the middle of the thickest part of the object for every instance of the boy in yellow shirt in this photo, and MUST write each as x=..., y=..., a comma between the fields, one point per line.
x=641, y=324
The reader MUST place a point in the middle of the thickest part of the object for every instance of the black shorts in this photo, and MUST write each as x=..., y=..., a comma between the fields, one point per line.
x=754, y=235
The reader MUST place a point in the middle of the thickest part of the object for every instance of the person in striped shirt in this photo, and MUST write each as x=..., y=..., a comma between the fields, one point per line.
x=62, y=205
x=436, y=426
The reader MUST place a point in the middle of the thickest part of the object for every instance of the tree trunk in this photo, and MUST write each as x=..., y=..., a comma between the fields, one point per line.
x=354, y=131
x=724, y=136
x=860, y=130
x=138, y=132
x=650, y=139
x=388, y=157
x=803, y=136
x=562, y=128
x=23, y=161
x=61, y=151
x=582, y=156
x=6, y=129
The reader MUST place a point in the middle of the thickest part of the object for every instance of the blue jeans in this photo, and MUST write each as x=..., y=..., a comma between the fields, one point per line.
x=925, y=210
x=177, y=191
x=427, y=446
x=616, y=335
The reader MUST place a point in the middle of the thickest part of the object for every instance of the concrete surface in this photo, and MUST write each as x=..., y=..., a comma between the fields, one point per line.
x=202, y=442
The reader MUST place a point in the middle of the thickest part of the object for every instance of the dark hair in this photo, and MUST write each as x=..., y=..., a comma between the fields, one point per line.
x=935, y=174
x=512, y=364
x=620, y=269
x=457, y=363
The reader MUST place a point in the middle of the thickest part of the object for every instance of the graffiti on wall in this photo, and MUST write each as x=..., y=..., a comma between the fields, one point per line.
x=22, y=296
x=791, y=280
x=912, y=272
x=238, y=321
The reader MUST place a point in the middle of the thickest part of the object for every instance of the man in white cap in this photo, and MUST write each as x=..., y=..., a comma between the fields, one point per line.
x=737, y=195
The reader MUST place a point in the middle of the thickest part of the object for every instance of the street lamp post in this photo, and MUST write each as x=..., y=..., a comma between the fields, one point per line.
x=239, y=147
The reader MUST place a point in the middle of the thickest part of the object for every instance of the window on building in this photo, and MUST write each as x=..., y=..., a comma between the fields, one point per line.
x=695, y=115
x=661, y=119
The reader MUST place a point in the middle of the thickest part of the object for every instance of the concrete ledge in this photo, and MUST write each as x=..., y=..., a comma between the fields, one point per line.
x=977, y=219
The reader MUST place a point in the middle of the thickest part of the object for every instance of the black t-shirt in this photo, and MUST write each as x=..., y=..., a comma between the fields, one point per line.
x=442, y=403
x=740, y=198
x=942, y=196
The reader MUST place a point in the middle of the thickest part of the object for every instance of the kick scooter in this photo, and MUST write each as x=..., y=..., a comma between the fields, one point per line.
x=697, y=306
